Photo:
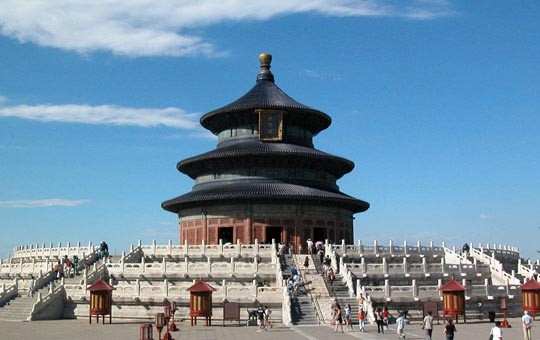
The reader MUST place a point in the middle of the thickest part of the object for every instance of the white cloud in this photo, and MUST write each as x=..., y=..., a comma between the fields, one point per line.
x=484, y=217
x=3, y=99
x=153, y=28
x=49, y=202
x=104, y=114
x=204, y=134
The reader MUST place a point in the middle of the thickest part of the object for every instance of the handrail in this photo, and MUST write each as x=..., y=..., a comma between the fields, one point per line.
x=8, y=293
x=496, y=266
x=46, y=302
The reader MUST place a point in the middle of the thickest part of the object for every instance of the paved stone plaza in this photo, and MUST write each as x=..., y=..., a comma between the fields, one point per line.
x=81, y=330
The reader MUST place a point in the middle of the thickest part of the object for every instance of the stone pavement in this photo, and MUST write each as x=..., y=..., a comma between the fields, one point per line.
x=81, y=330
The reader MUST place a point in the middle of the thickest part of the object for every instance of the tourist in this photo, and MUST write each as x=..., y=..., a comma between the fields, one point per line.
x=427, y=325
x=75, y=262
x=535, y=274
x=267, y=313
x=51, y=287
x=400, y=326
x=496, y=331
x=321, y=255
x=260, y=318
x=309, y=246
x=385, y=317
x=334, y=307
x=330, y=276
x=465, y=250
x=526, y=320
x=450, y=329
x=306, y=264
x=57, y=270
x=361, y=319
x=67, y=267
x=379, y=320
x=31, y=286
x=339, y=320
x=348, y=323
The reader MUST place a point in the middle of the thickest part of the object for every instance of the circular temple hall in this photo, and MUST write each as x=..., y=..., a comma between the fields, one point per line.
x=265, y=179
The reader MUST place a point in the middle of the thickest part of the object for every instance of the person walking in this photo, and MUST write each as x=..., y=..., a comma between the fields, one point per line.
x=526, y=320
x=361, y=319
x=260, y=318
x=339, y=320
x=306, y=264
x=450, y=329
x=348, y=323
x=496, y=331
x=379, y=320
x=267, y=313
x=427, y=325
x=400, y=326
x=31, y=286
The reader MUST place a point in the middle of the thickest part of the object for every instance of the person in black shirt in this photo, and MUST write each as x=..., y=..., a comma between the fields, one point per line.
x=260, y=318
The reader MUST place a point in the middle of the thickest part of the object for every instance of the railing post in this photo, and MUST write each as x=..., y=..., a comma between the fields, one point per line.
x=387, y=289
x=384, y=265
x=375, y=250
x=391, y=246
x=363, y=265
x=405, y=266
x=405, y=250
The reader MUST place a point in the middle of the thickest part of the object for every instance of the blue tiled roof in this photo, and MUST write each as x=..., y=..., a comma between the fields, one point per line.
x=262, y=191
x=265, y=154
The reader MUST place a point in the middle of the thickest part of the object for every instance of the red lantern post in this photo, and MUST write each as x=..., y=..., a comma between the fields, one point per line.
x=172, y=326
x=160, y=322
x=147, y=333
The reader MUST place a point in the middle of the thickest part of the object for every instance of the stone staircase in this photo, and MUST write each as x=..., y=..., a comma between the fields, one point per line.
x=302, y=311
x=20, y=308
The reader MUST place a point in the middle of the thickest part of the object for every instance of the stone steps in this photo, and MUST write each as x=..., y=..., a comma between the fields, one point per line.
x=20, y=308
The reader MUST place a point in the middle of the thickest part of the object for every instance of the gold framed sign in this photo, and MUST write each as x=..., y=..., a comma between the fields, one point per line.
x=270, y=125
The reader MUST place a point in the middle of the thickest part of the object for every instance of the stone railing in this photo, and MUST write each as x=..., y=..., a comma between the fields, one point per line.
x=194, y=268
x=52, y=251
x=452, y=256
x=19, y=267
x=498, y=248
x=390, y=249
x=416, y=293
x=219, y=250
x=527, y=269
x=141, y=290
x=8, y=292
x=406, y=269
x=50, y=307
x=498, y=275
x=286, y=307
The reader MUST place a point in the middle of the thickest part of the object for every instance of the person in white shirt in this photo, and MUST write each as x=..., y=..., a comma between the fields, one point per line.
x=427, y=325
x=496, y=331
x=400, y=326
x=526, y=320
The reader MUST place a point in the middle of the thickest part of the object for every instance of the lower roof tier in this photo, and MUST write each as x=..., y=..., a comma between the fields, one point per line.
x=263, y=191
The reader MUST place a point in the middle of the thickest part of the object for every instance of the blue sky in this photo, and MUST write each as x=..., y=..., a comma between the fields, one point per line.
x=435, y=101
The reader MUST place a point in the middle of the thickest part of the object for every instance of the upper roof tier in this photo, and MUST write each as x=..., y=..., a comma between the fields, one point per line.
x=265, y=95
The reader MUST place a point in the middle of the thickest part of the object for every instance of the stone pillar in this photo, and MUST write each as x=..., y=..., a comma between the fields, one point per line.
x=204, y=237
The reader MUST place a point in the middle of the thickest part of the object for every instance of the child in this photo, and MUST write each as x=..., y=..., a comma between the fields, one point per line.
x=361, y=319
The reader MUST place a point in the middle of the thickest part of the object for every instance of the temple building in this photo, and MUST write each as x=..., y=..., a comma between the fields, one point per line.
x=265, y=180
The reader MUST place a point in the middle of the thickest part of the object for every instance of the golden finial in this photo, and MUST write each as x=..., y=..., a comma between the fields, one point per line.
x=264, y=74
x=265, y=59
